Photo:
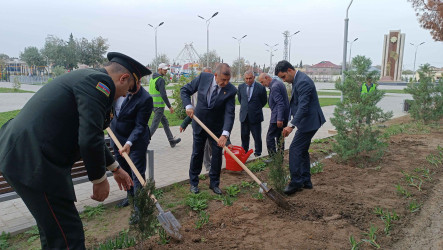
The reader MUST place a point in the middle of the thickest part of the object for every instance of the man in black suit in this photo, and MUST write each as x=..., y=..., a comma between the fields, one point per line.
x=252, y=97
x=216, y=109
x=130, y=126
x=307, y=117
x=60, y=124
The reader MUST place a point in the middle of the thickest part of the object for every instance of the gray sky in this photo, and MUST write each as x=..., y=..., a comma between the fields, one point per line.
x=125, y=25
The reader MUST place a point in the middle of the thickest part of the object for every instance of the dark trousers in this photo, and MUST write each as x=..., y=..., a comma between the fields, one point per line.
x=58, y=221
x=197, y=159
x=138, y=157
x=299, y=161
x=273, y=138
x=255, y=130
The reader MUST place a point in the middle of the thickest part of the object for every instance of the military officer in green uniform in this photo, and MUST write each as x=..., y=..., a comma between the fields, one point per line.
x=60, y=124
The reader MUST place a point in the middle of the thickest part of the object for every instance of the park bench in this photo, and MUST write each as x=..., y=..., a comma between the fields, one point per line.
x=78, y=174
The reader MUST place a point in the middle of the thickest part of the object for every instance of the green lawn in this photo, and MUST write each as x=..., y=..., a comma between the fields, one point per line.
x=9, y=90
x=5, y=116
x=328, y=93
x=328, y=101
x=396, y=91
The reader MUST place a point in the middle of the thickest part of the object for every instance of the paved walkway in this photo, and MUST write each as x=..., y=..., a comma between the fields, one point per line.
x=171, y=164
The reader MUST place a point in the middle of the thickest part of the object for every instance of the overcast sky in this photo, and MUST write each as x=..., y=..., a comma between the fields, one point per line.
x=125, y=24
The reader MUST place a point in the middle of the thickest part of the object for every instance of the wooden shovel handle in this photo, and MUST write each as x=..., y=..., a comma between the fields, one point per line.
x=129, y=161
x=228, y=150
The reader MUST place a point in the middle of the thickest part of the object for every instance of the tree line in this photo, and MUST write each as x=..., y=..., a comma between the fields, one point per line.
x=59, y=53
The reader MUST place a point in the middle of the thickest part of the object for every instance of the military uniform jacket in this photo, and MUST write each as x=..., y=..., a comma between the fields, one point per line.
x=62, y=122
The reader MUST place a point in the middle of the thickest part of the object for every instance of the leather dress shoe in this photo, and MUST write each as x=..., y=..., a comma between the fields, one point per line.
x=194, y=189
x=256, y=155
x=174, y=142
x=307, y=185
x=291, y=189
x=216, y=190
x=123, y=203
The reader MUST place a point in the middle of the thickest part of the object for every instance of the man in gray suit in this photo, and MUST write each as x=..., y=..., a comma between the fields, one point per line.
x=307, y=117
x=252, y=97
x=279, y=104
x=216, y=109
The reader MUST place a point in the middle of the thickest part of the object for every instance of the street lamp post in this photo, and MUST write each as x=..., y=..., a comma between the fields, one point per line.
x=155, y=28
x=207, y=36
x=290, y=40
x=350, y=52
x=415, y=57
x=271, y=49
x=271, y=55
x=345, y=41
x=239, y=41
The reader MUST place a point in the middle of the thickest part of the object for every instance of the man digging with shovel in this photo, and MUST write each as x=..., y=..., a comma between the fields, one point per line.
x=62, y=122
x=216, y=108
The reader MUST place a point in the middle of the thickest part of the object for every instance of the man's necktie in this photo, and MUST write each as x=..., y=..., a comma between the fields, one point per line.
x=249, y=92
x=126, y=101
x=213, y=97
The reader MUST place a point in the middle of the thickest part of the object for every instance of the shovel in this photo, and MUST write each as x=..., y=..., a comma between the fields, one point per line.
x=272, y=194
x=169, y=223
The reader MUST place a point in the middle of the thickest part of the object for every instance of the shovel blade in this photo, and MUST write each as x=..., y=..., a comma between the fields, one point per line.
x=170, y=224
x=277, y=198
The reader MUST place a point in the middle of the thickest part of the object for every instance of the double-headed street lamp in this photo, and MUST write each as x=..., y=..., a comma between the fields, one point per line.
x=239, y=41
x=350, y=52
x=290, y=39
x=415, y=57
x=207, y=36
x=271, y=49
x=155, y=28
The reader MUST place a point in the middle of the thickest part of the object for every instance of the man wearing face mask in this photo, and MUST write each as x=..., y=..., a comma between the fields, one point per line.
x=61, y=123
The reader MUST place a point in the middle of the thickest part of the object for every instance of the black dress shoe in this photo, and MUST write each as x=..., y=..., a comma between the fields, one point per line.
x=256, y=155
x=291, y=189
x=123, y=203
x=307, y=185
x=174, y=142
x=194, y=189
x=216, y=190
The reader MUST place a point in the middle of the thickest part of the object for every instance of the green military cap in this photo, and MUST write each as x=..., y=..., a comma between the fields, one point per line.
x=137, y=69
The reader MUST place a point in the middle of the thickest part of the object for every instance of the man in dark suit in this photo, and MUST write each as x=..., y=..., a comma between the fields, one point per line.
x=60, y=124
x=279, y=104
x=216, y=109
x=307, y=117
x=130, y=126
x=252, y=97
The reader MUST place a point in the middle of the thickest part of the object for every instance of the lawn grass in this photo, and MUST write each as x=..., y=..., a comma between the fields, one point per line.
x=328, y=93
x=396, y=91
x=5, y=116
x=328, y=101
x=9, y=90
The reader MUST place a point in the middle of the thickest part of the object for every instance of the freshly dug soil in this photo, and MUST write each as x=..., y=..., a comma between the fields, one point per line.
x=341, y=204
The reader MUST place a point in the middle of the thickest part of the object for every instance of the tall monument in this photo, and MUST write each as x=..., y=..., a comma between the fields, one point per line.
x=392, y=58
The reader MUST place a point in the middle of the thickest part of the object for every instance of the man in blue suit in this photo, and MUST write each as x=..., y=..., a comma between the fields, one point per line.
x=279, y=104
x=130, y=126
x=216, y=109
x=307, y=117
x=252, y=97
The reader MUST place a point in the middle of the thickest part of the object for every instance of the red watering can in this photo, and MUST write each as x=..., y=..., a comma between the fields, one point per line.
x=238, y=151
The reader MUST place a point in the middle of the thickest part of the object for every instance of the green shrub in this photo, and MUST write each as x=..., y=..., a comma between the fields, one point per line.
x=122, y=241
x=357, y=141
x=427, y=103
